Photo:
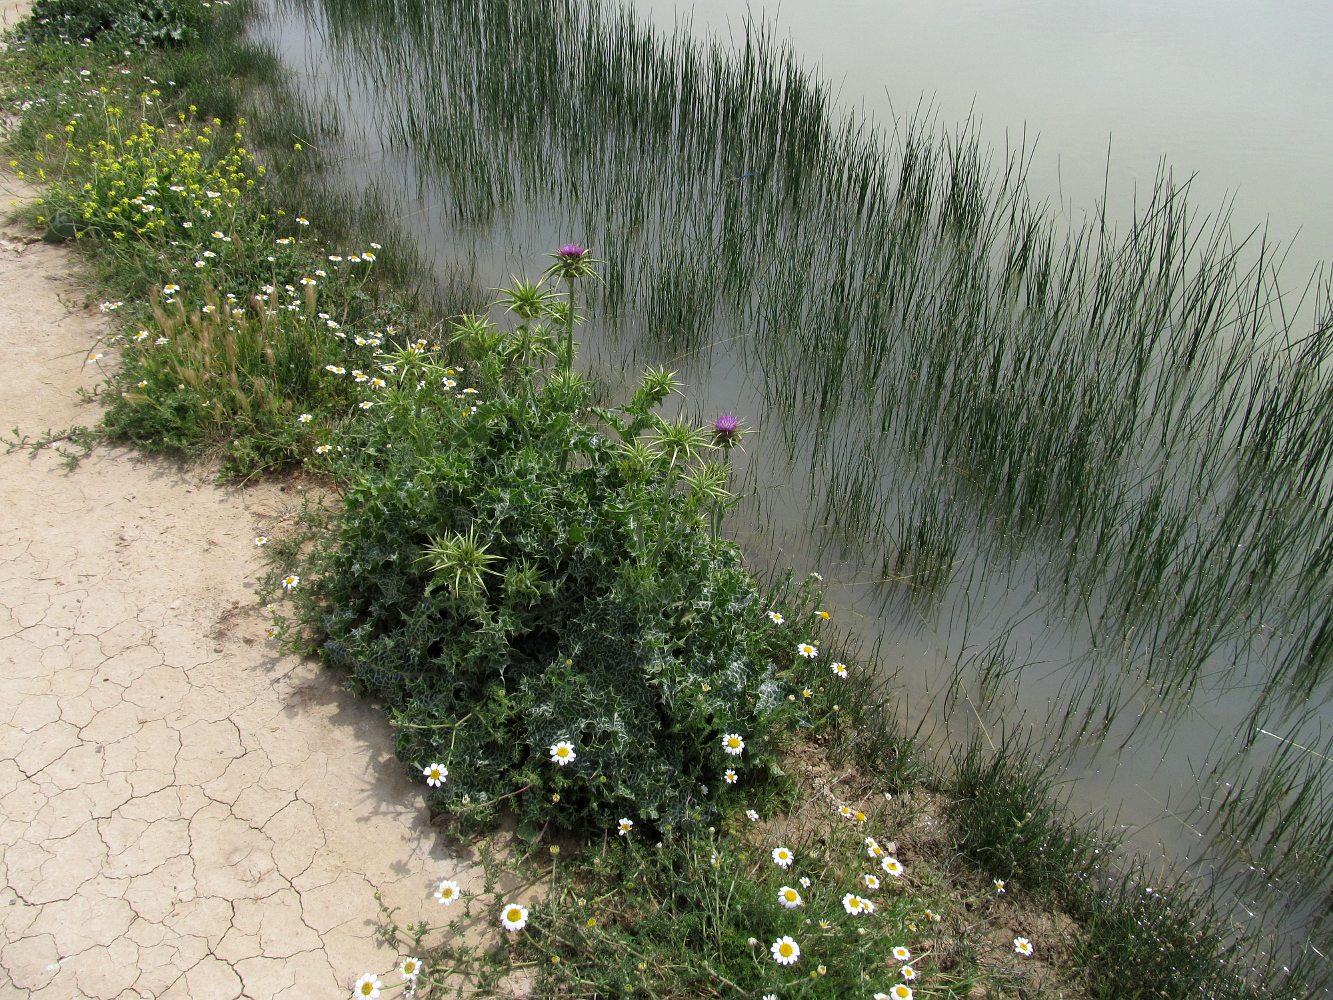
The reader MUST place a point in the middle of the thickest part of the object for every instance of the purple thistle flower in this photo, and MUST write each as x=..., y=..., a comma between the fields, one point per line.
x=571, y=262
x=726, y=430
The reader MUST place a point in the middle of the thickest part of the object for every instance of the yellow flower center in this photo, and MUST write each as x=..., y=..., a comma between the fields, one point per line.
x=785, y=950
x=515, y=914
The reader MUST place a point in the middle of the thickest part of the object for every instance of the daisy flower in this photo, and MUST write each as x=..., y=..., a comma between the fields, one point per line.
x=805, y=882
x=368, y=986
x=261, y=540
x=323, y=449
x=785, y=951
x=823, y=615
x=514, y=917
x=290, y=581
x=893, y=866
x=901, y=992
x=999, y=886
x=305, y=418
x=853, y=904
x=871, y=881
x=365, y=404
x=729, y=776
x=839, y=668
x=562, y=753
x=752, y=816
x=907, y=972
x=776, y=617
x=806, y=650
x=1023, y=946
x=625, y=826
x=409, y=968
x=807, y=693
x=902, y=954
x=873, y=849
x=783, y=857
x=447, y=892
x=435, y=775
x=789, y=897
x=732, y=744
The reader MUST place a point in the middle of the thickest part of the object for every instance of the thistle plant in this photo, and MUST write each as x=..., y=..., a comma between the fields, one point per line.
x=530, y=302
x=727, y=434
x=571, y=264
x=461, y=561
x=679, y=441
x=708, y=486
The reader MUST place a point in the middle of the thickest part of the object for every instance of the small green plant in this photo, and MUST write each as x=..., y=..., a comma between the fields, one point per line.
x=1011, y=824
x=120, y=22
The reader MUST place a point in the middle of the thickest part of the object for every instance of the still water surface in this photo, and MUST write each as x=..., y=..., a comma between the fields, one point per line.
x=1223, y=91
x=1237, y=94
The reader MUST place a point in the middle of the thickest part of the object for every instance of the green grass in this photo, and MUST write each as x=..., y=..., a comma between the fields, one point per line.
x=1141, y=932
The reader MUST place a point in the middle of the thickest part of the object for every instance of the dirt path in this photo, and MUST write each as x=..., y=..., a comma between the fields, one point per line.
x=183, y=812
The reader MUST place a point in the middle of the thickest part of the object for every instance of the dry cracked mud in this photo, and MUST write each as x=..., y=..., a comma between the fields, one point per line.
x=184, y=813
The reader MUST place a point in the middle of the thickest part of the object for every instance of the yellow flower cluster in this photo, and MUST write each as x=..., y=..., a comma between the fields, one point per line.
x=149, y=179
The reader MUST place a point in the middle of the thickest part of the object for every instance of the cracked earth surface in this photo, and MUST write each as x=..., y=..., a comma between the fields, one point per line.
x=184, y=813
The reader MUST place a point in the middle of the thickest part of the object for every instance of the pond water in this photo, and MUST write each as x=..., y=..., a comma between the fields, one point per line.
x=1060, y=485
x=1226, y=91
